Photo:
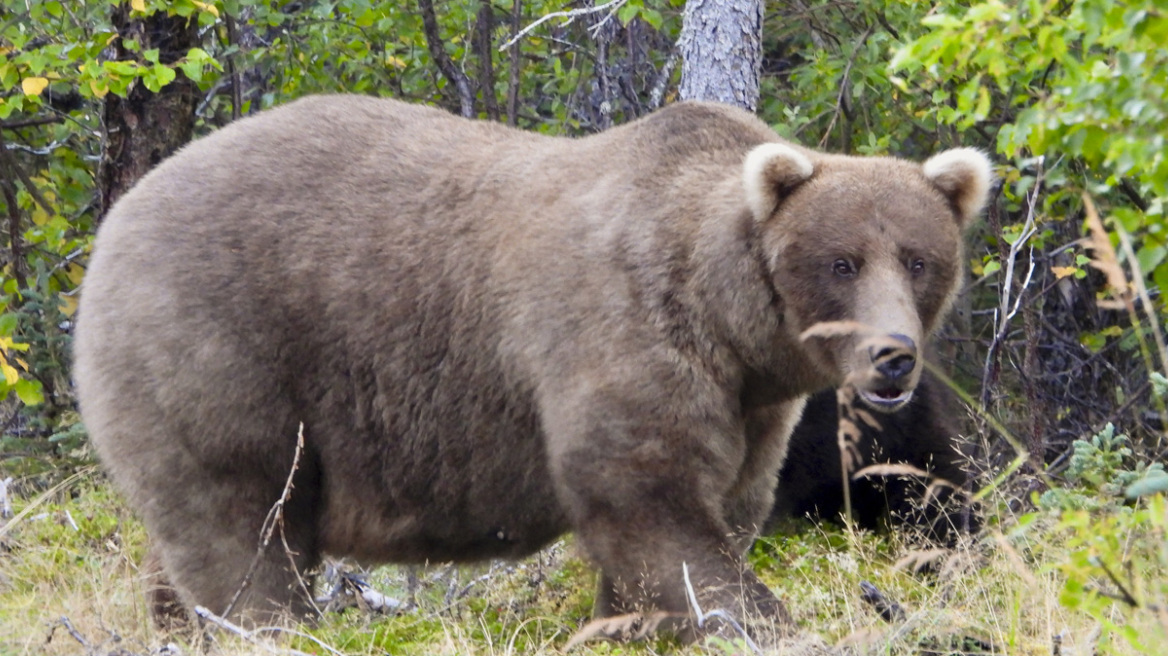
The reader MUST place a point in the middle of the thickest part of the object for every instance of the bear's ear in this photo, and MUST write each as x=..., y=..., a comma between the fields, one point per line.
x=964, y=176
x=770, y=172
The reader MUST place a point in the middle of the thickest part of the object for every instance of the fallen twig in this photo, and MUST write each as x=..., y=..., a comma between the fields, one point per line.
x=350, y=589
x=253, y=636
x=64, y=621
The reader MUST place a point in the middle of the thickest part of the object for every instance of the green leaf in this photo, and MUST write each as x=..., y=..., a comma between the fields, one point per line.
x=653, y=18
x=29, y=391
x=628, y=13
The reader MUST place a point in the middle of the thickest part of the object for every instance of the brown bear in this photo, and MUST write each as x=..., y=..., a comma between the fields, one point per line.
x=492, y=337
x=924, y=434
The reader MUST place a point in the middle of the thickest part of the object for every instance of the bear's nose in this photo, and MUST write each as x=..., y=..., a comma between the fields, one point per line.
x=895, y=361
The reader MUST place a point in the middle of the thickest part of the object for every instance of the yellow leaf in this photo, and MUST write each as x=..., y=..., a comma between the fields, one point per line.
x=11, y=375
x=99, y=91
x=8, y=343
x=75, y=272
x=33, y=86
x=1063, y=272
x=209, y=8
x=138, y=5
x=396, y=62
x=68, y=305
x=22, y=363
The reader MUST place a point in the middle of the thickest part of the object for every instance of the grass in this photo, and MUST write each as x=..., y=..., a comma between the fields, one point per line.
x=69, y=585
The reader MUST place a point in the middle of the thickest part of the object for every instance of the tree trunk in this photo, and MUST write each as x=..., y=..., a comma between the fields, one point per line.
x=144, y=128
x=721, y=51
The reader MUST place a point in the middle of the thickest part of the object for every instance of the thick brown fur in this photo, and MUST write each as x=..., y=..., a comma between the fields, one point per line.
x=491, y=337
x=924, y=434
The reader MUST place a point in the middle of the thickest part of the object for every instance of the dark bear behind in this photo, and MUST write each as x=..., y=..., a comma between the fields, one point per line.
x=924, y=434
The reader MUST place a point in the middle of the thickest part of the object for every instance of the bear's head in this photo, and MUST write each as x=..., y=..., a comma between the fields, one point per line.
x=865, y=255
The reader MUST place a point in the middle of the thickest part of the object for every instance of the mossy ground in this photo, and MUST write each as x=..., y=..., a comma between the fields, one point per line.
x=68, y=573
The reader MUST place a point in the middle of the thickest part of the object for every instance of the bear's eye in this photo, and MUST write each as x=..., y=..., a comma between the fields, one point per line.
x=844, y=268
x=916, y=267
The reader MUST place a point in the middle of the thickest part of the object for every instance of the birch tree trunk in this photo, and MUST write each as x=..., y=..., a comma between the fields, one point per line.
x=721, y=51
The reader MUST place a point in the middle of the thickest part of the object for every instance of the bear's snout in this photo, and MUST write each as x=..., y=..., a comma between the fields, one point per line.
x=887, y=385
x=895, y=360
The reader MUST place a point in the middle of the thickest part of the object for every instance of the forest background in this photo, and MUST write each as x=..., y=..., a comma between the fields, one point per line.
x=1056, y=343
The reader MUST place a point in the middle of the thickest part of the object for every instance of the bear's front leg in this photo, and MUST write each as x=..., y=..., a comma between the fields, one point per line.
x=646, y=485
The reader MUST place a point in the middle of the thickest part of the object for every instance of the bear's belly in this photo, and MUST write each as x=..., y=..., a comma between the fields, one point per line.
x=506, y=512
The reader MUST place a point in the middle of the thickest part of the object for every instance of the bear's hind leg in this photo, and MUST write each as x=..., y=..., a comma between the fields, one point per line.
x=214, y=554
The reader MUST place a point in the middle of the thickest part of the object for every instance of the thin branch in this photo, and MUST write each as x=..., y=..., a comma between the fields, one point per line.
x=14, y=235
x=484, y=27
x=1133, y=194
x=233, y=71
x=841, y=97
x=16, y=170
x=31, y=123
x=513, y=82
x=64, y=621
x=1005, y=312
x=571, y=15
x=1124, y=594
x=274, y=519
x=438, y=53
x=663, y=77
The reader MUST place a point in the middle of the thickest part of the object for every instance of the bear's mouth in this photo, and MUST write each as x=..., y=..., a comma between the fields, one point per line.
x=886, y=399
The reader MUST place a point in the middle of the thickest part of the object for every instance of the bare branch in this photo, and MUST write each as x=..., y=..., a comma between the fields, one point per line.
x=571, y=15
x=64, y=621
x=31, y=123
x=513, y=82
x=484, y=27
x=438, y=53
x=663, y=77
x=274, y=519
x=1005, y=312
x=233, y=70
x=842, y=99
x=16, y=170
